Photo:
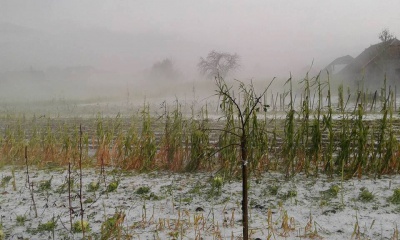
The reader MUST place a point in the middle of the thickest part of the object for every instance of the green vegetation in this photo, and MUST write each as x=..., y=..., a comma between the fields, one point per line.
x=331, y=192
x=21, y=220
x=395, y=198
x=5, y=180
x=290, y=194
x=112, y=186
x=315, y=135
x=142, y=190
x=93, y=186
x=45, y=185
x=273, y=190
x=365, y=195
x=47, y=226
x=80, y=226
x=217, y=183
x=111, y=228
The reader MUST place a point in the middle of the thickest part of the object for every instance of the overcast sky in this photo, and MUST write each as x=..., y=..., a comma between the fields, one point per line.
x=272, y=37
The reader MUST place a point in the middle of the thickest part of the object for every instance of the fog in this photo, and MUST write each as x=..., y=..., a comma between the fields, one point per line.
x=93, y=49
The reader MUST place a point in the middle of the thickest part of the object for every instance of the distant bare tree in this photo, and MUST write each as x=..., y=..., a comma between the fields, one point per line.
x=164, y=69
x=385, y=36
x=218, y=63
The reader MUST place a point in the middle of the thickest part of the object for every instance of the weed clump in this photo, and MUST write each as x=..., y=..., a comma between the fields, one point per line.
x=216, y=187
x=47, y=226
x=2, y=235
x=290, y=194
x=334, y=190
x=196, y=189
x=45, y=185
x=217, y=183
x=63, y=187
x=93, y=186
x=143, y=190
x=20, y=220
x=89, y=200
x=365, y=195
x=80, y=226
x=153, y=197
x=5, y=181
x=395, y=198
x=331, y=192
x=273, y=190
x=112, y=227
x=112, y=187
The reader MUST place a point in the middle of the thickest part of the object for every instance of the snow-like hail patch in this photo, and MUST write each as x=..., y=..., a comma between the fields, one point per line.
x=163, y=205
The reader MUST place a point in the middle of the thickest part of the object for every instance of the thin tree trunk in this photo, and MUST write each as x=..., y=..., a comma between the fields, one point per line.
x=244, y=188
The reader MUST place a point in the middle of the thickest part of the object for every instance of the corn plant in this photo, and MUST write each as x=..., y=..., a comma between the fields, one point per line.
x=289, y=148
x=345, y=134
x=199, y=142
x=304, y=129
x=131, y=148
x=227, y=142
x=389, y=164
x=258, y=143
x=328, y=125
x=316, y=133
x=146, y=141
x=172, y=149
x=361, y=131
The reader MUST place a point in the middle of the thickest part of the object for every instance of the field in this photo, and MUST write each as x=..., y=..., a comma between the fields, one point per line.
x=165, y=205
x=320, y=168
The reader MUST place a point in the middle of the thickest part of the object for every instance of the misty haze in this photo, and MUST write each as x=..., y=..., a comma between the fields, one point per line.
x=75, y=50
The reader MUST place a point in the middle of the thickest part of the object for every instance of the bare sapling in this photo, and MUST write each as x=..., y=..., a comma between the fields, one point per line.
x=244, y=113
